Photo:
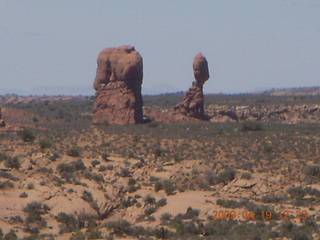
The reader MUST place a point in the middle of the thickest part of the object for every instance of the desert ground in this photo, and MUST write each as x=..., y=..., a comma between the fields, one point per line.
x=224, y=178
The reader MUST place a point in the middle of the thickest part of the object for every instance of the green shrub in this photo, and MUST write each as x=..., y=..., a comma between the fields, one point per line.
x=87, y=196
x=312, y=170
x=16, y=219
x=296, y=192
x=26, y=134
x=13, y=163
x=246, y=175
x=158, y=186
x=169, y=187
x=226, y=176
x=149, y=199
x=162, y=202
x=150, y=210
x=6, y=185
x=95, y=163
x=11, y=235
x=119, y=227
x=8, y=176
x=74, y=152
x=44, y=143
x=251, y=126
x=3, y=156
x=23, y=195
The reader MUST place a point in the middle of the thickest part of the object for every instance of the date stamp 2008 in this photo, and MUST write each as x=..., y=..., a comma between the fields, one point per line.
x=268, y=215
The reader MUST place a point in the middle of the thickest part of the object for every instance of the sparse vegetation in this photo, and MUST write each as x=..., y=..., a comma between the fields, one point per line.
x=134, y=166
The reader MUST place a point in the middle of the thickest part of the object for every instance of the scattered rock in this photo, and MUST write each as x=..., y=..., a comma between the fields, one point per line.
x=118, y=87
x=242, y=183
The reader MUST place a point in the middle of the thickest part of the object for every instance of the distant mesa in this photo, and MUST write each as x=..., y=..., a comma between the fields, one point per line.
x=192, y=104
x=118, y=87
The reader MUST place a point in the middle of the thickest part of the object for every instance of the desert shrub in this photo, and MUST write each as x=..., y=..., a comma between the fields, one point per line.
x=3, y=156
x=270, y=199
x=251, y=126
x=8, y=176
x=94, y=176
x=13, y=162
x=68, y=177
x=71, y=167
x=162, y=233
x=69, y=222
x=258, y=209
x=245, y=231
x=16, y=219
x=119, y=227
x=45, y=170
x=74, y=152
x=209, y=176
x=246, y=175
x=34, y=211
x=131, y=181
x=162, y=202
x=267, y=149
x=23, y=195
x=149, y=199
x=94, y=233
x=95, y=163
x=26, y=134
x=11, y=235
x=290, y=230
x=44, y=143
x=78, y=235
x=190, y=213
x=231, y=203
x=313, y=173
x=219, y=227
x=125, y=203
x=185, y=228
x=73, y=223
x=166, y=216
x=54, y=156
x=105, y=156
x=6, y=185
x=150, y=210
x=87, y=196
x=226, y=176
x=158, y=186
x=125, y=172
x=169, y=187
x=296, y=192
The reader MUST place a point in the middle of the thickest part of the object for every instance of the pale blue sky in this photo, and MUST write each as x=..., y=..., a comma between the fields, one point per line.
x=50, y=47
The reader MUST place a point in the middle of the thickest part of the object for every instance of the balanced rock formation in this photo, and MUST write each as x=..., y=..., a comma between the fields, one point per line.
x=192, y=104
x=118, y=87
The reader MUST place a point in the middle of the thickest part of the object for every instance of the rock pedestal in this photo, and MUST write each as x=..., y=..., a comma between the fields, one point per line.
x=118, y=87
x=192, y=104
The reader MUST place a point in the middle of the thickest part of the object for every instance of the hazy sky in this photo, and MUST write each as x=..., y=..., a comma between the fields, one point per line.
x=50, y=47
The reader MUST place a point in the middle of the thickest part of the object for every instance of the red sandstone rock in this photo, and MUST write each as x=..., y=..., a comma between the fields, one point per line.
x=118, y=87
x=192, y=104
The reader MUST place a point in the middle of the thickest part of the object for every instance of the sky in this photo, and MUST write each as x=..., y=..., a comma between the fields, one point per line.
x=51, y=47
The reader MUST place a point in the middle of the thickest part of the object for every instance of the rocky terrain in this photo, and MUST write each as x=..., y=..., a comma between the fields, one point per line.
x=62, y=178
